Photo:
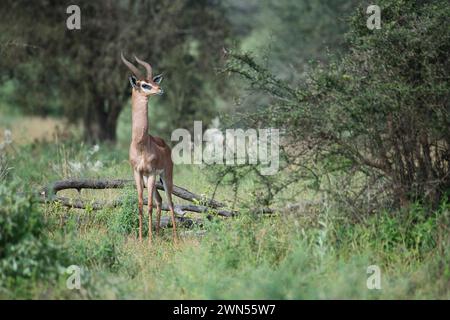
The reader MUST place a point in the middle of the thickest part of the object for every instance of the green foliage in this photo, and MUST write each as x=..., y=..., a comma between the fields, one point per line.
x=336, y=123
x=79, y=73
x=376, y=120
x=288, y=258
x=409, y=230
x=126, y=220
x=319, y=26
x=309, y=254
x=26, y=252
x=286, y=34
x=98, y=251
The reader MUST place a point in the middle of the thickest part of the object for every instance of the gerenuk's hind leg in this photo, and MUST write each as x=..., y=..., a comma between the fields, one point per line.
x=150, y=189
x=158, y=201
x=168, y=187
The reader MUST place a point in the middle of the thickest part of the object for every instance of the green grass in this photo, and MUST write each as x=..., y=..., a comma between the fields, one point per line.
x=259, y=258
x=309, y=253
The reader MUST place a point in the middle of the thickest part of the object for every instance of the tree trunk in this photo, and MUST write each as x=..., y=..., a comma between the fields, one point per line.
x=101, y=125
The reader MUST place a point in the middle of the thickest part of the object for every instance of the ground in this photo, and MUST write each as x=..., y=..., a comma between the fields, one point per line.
x=300, y=253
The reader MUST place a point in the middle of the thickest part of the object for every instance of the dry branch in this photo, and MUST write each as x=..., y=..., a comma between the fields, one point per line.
x=79, y=184
x=209, y=206
x=180, y=209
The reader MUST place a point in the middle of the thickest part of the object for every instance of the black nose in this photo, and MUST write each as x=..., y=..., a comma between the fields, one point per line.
x=161, y=91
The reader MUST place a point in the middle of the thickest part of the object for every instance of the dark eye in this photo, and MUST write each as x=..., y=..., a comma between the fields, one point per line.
x=146, y=86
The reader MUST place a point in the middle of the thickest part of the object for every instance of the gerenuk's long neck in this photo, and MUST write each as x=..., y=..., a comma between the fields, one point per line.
x=139, y=118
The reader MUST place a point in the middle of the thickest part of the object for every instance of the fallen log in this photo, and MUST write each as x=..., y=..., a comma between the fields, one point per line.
x=79, y=184
x=179, y=209
x=165, y=222
x=208, y=206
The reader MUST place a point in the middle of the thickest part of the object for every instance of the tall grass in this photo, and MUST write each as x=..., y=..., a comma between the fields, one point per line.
x=268, y=258
x=315, y=252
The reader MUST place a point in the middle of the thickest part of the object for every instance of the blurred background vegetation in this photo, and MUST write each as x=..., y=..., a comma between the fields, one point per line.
x=78, y=74
x=365, y=150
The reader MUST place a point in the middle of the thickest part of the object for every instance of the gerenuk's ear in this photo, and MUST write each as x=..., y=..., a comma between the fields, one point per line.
x=157, y=79
x=133, y=81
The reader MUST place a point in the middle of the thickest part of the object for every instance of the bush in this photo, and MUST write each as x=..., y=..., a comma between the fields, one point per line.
x=126, y=220
x=26, y=252
x=409, y=230
x=95, y=251
x=289, y=258
x=377, y=119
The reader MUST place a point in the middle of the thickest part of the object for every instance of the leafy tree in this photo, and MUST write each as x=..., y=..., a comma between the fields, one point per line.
x=289, y=33
x=78, y=73
x=377, y=120
x=284, y=36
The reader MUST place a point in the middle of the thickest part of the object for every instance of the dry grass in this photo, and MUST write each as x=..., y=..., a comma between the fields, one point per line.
x=28, y=129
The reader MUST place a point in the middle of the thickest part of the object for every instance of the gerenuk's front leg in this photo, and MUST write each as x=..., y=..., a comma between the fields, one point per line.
x=140, y=191
x=150, y=188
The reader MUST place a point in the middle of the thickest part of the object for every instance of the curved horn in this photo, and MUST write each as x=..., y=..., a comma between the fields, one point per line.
x=147, y=66
x=131, y=66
